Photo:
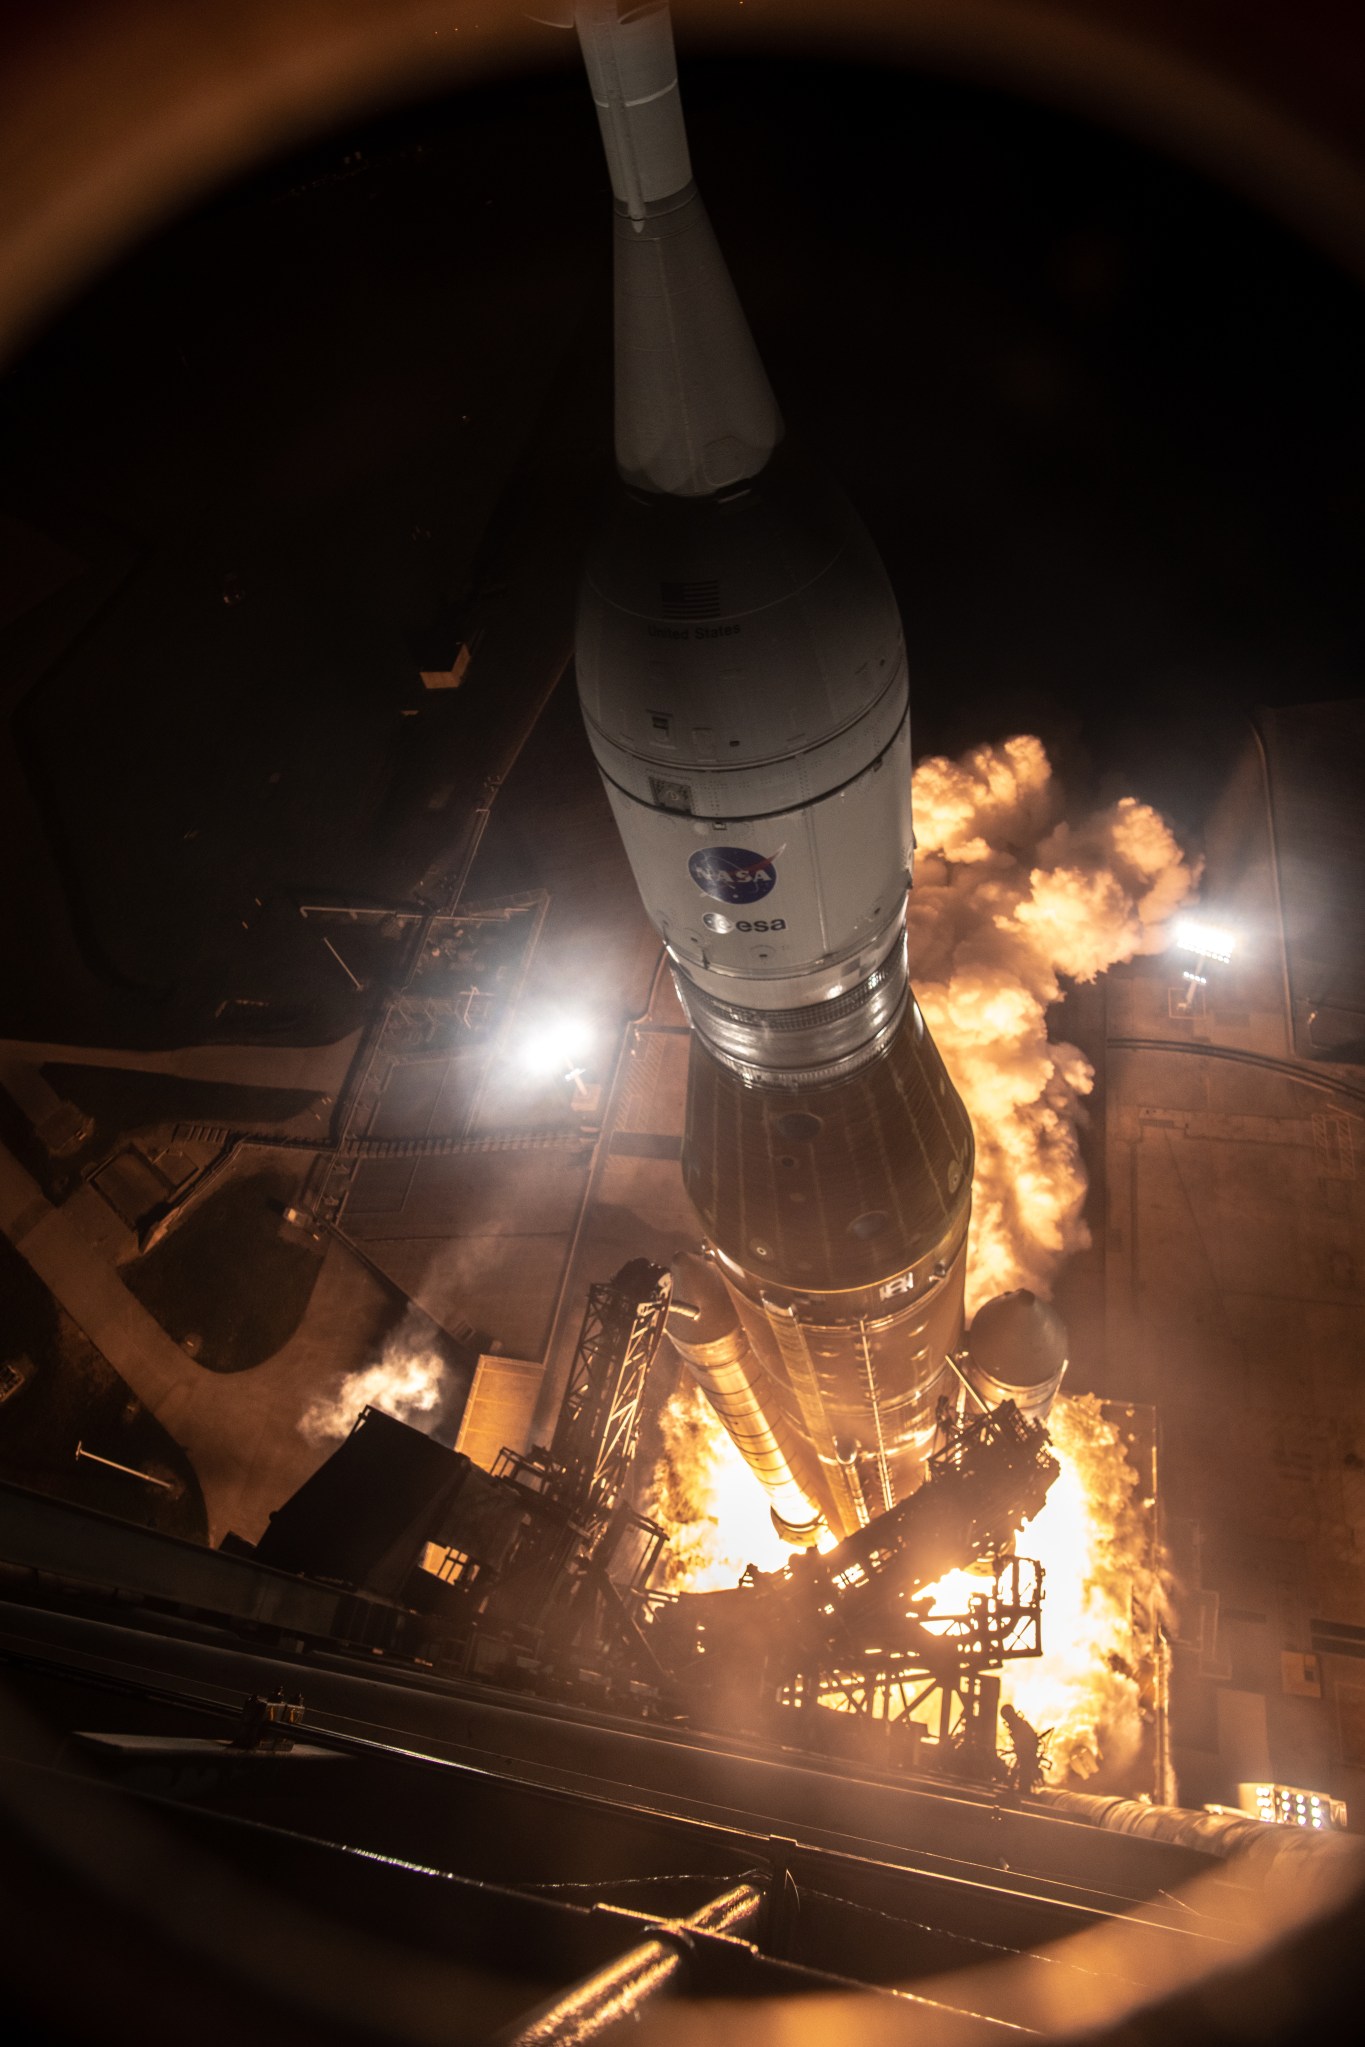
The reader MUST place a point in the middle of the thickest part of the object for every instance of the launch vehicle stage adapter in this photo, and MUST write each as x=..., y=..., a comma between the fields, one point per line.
x=742, y=674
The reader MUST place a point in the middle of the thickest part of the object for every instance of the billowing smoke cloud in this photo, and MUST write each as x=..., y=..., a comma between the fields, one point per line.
x=1009, y=903
x=410, y=1382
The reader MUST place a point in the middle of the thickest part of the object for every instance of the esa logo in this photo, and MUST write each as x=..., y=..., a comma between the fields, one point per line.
x=714, y=921
x=732, y=874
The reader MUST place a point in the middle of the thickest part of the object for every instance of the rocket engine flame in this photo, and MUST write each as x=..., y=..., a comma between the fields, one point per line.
x=409, y=1381
x=1090, y=1690
x=1089, y=1686
x=714, y=1509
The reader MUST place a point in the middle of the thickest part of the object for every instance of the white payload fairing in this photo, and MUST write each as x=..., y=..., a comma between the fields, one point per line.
x=742, y=673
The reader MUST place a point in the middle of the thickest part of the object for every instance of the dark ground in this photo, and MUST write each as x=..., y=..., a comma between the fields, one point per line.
x=124, y=1102
x=230, y=1283
x=73, y=1396
x=1104, y=421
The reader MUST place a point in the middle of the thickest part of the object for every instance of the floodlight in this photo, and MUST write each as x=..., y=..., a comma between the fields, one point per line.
x=1210, y=941
x=1285, y=1805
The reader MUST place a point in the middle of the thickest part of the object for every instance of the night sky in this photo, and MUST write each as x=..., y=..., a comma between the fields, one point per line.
x=1104, y=420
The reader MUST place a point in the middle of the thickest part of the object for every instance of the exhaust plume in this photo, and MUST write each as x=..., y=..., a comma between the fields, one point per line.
x=1094, y=1686
x=1008, y=904
x=714, y=1509
x=1093, y=1690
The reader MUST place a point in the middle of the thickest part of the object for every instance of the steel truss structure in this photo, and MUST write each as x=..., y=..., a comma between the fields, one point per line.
x=593, y=1447
x=575, y=1581
x=1003, y=1622
x=855, y=1632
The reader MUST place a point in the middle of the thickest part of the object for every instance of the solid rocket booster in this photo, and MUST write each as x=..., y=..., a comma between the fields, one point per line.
x=742, y=674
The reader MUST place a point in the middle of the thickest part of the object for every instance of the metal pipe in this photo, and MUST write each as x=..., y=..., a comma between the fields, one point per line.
x=966, y=1382
x=1283, y=1859
x=129, y=1470
x=341, y=963
x=664, y=1965
x=1304, y=1076
x=1274, y=849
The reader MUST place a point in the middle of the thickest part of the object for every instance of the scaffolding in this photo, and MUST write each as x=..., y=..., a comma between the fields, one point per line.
x=857, y=1632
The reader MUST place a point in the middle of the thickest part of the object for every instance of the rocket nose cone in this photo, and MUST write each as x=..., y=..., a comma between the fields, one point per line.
x=698, y=1286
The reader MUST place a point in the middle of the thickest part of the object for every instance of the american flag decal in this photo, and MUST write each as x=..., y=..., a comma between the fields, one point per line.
x=690, y=600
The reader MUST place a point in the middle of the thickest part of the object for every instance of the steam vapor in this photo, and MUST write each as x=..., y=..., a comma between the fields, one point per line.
x=409, y=1382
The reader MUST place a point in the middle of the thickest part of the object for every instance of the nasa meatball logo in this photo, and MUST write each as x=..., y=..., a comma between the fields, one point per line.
x=732, y=875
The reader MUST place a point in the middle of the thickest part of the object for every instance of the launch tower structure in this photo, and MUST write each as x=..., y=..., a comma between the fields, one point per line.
x=742, y=673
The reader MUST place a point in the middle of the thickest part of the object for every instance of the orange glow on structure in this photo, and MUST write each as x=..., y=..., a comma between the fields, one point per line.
x=1091, y=1687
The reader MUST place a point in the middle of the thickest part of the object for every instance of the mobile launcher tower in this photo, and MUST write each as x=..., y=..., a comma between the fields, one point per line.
x=742, y=674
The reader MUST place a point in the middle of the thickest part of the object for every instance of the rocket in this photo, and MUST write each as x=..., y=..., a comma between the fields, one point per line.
x=742, y=674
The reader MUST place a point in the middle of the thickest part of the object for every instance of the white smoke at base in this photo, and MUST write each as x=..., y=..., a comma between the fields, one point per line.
x=1010, y=903
x=409, y=1381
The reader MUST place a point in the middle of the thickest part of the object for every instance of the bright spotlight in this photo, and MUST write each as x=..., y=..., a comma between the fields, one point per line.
x=554, y=1045
x=1210, y=941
